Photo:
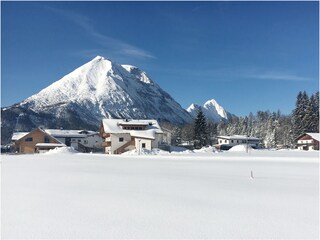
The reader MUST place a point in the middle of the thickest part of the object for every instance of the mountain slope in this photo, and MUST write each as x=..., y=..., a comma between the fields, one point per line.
x=212, y=110
x=98, y=89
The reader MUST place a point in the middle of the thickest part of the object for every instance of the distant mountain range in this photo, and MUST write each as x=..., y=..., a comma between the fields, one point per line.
x=96, y=90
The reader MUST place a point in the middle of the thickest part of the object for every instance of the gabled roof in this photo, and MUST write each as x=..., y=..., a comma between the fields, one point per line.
x=115, y=126
x=315, y=136
x=41, y=130
x=239, y=137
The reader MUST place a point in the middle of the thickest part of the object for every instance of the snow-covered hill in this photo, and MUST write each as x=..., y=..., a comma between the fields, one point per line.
x=212, y=110
x=98, y=89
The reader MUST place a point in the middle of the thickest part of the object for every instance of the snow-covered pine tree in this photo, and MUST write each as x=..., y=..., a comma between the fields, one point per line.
x=299, y=113
x=314, y=104
x=251, y=124
x=269, y=139
x=307, y=120
x=200, y=130
x=284, y=131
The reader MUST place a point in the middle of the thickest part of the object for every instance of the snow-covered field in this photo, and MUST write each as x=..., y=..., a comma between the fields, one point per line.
x=203, y=194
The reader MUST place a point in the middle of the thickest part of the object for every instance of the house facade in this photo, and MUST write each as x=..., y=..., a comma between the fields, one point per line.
x=308, y=141
x=121, y=135
x=80, y=140
x=227, y=142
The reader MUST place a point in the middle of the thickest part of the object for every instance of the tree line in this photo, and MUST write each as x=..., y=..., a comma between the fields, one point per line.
x=274, y=128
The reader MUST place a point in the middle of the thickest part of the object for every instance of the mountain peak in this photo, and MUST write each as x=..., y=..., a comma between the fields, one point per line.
x=211, y=102
x=212, y=110
x=192, y=107
x=100, y=89
x=214, y=106
x=98, y=58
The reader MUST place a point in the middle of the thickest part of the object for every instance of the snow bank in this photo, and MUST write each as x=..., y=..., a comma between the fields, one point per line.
x=154, y=151
x=240, y=148
x=173, y=150
x=209, y=149
x=68, y=150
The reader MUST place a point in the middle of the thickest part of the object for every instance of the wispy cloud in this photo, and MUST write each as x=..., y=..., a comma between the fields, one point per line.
x=121, y=47
x=278, y=76
x=244, y=73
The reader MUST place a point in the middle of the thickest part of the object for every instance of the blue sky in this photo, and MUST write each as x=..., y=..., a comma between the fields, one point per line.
x=249, y=56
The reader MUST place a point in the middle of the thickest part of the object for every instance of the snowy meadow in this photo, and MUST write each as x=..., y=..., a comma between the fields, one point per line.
x=203, y=194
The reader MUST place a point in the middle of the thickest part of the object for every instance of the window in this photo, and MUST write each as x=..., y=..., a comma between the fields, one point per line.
x=220, y=141
x=121, y=139
x=46, y=140
x=231, y=141
x=225, y=141
x=143, y=145
x=79, y=140
x=85, y=141
x=29, y=139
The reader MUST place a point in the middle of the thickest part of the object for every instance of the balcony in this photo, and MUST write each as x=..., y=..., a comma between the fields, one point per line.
x=106, y=144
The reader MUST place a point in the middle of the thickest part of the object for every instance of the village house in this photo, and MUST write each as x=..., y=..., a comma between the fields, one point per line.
x=227, y=142
x=35, y=141
x=308, y=141
x=121, y=135
x=80, y=140
x=42, y=140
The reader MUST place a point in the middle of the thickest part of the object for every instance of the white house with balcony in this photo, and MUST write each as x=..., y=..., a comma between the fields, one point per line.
x=121, y=135
x=308, y=141
x=227, y=142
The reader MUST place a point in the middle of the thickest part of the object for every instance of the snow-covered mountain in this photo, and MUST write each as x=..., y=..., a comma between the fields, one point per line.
x=212, y=110
x=98, y=89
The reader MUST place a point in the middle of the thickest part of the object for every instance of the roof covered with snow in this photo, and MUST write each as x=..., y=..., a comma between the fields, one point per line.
x=69, y=133
x=116, y=126
x=50, y=145
x=315, y=136
x=56, y=133
x=17, y=135
x=239, y=137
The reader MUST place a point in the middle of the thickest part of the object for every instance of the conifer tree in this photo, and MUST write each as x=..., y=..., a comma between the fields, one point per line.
x=200, y=130
x=299, y=114
x=314, y=105
x=307, y=120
